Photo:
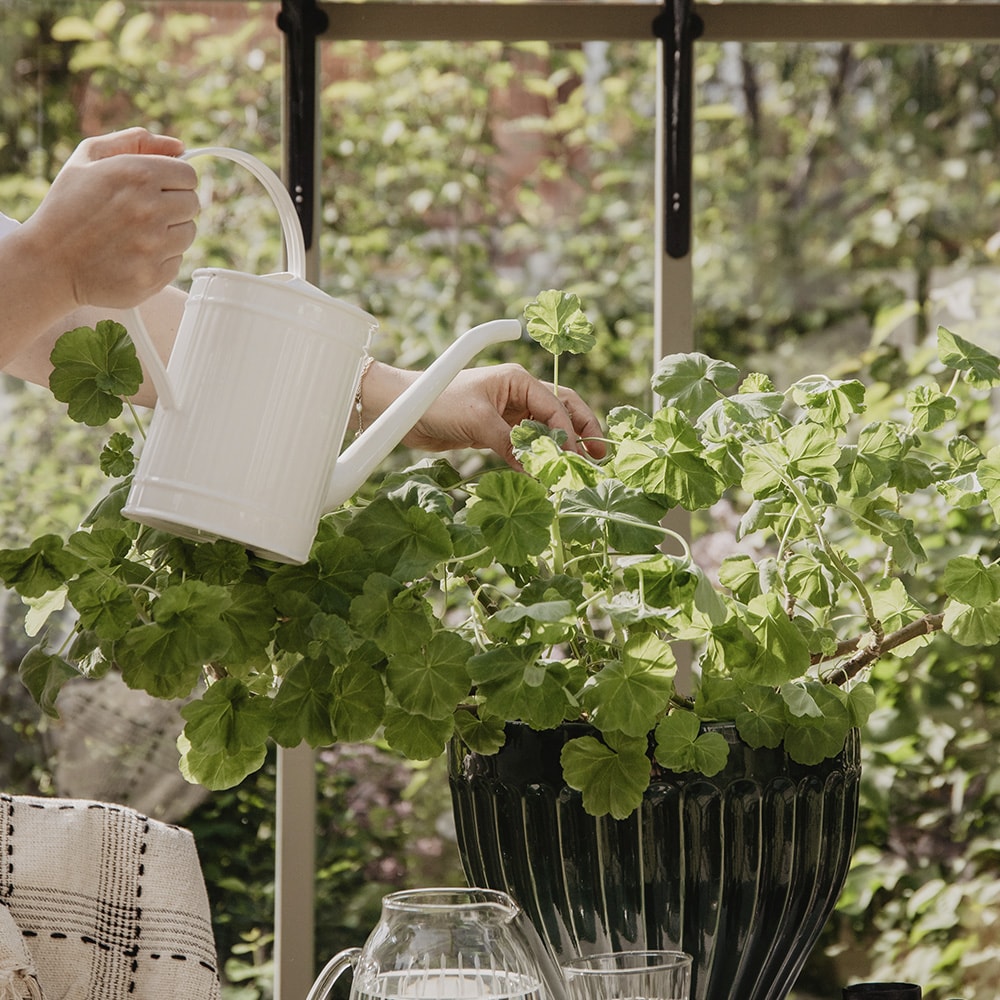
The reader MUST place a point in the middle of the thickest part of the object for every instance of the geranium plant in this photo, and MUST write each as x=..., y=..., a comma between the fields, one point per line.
x=439, y=605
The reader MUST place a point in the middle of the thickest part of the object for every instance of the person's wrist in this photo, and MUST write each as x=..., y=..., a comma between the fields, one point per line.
x=40, y=266
x=381, y=384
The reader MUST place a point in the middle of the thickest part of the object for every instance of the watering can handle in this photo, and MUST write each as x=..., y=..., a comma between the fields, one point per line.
x=295, y=251
x=295, y=246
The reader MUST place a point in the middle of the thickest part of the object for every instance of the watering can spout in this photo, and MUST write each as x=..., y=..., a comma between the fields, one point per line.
x=357, y=463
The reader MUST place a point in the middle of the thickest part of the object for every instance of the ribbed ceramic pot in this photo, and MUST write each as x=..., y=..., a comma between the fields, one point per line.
x=741, y=870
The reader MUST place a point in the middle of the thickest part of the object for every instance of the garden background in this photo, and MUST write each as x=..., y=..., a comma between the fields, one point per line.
x=847, y=200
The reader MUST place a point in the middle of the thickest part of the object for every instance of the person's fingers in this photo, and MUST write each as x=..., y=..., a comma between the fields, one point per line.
x=175, y=175
x=543, y=405
x=130, y=140
x=585, y=423
x=179, y=206
x=494, y=433
x=179, y=237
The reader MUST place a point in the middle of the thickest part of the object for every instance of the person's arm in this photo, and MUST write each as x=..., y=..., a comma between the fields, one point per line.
x=109, y=235
x=481, y=405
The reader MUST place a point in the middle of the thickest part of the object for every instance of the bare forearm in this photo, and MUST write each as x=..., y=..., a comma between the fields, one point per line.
x=34, y=300
x=161, y=315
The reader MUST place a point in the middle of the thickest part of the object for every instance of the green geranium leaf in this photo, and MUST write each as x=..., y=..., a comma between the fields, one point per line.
x=833, y=401
x=812, y=452
x=228, y=717
x=42, y=566
x=810, y=739
x=763, y=717
x=810, y=744
x=610, y=780
x=626, y=422
x=965, y=454
x=250, y=619
x=549, y=618
x=895, y=607
x=630, y=517
x=401, y=541
x=358, y=702
x=44, y=674
x=552, y=465
x=743, y=409
x=675, y=467
x=302, y=707
x=861, y=702
x=682, y=746
x=432, y=679
x=740, y=574
x=972, y=626
x=545, y=612
x=980, y=368
x=693, y=382
x=484, y=736
x=117, y=459
x=191, y=604
x=524, y=435
x=988, y=474
x=416, y=736
x=807, y=577
x=220, y=562
x=105, y=605
x=630, y=695
x=390, y=615
x=718, y=697
x=799, y=700
x=92, y=370
x=782, y=653
x=930, y=407
x=962, y=492
x=104, y=547
x=557, y=322
x=517, y=685
x=969, y=580
x=166, y=656
x=514, y=514
x=880, y=449
x=218, y=769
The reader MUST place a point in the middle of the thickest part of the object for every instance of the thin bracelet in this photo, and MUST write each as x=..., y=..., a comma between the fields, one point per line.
x=357, y=395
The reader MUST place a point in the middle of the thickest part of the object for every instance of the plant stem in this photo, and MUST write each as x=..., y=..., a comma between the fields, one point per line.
x=816, y=524
x=862, y=658
x=136, y=418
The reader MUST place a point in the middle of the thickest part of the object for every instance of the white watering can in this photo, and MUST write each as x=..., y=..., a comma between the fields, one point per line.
x=257, y=396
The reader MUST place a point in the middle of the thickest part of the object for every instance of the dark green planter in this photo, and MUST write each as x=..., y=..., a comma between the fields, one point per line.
x=741, y=870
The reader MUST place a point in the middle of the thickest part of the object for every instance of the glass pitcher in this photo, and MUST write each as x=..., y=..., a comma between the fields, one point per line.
x=447, y=944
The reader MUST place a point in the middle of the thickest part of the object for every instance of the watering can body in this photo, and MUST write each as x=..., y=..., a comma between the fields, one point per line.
x=261, y=368
x=254, y=403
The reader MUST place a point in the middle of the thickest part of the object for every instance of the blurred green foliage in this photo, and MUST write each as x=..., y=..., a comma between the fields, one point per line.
x=832, y=184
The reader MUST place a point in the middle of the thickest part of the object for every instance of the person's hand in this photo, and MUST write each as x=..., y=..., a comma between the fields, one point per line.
x=117, y=219
x=481, y=405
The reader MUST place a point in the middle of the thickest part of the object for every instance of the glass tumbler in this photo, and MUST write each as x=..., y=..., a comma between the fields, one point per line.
x=629, y=975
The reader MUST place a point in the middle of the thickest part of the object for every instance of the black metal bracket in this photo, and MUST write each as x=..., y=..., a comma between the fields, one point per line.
x=678, y=26
x=303, y=22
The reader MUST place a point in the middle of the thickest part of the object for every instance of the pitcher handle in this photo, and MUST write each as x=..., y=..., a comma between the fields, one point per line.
x=320, y=989
x=295, y=246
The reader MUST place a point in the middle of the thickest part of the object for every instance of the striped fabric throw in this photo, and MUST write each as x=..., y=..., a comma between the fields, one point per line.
x=110, y=905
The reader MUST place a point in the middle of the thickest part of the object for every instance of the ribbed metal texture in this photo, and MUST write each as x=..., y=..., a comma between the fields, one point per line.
x=741, y=870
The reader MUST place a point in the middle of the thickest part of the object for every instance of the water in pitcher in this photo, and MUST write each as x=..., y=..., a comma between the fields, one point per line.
x=448, y=984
